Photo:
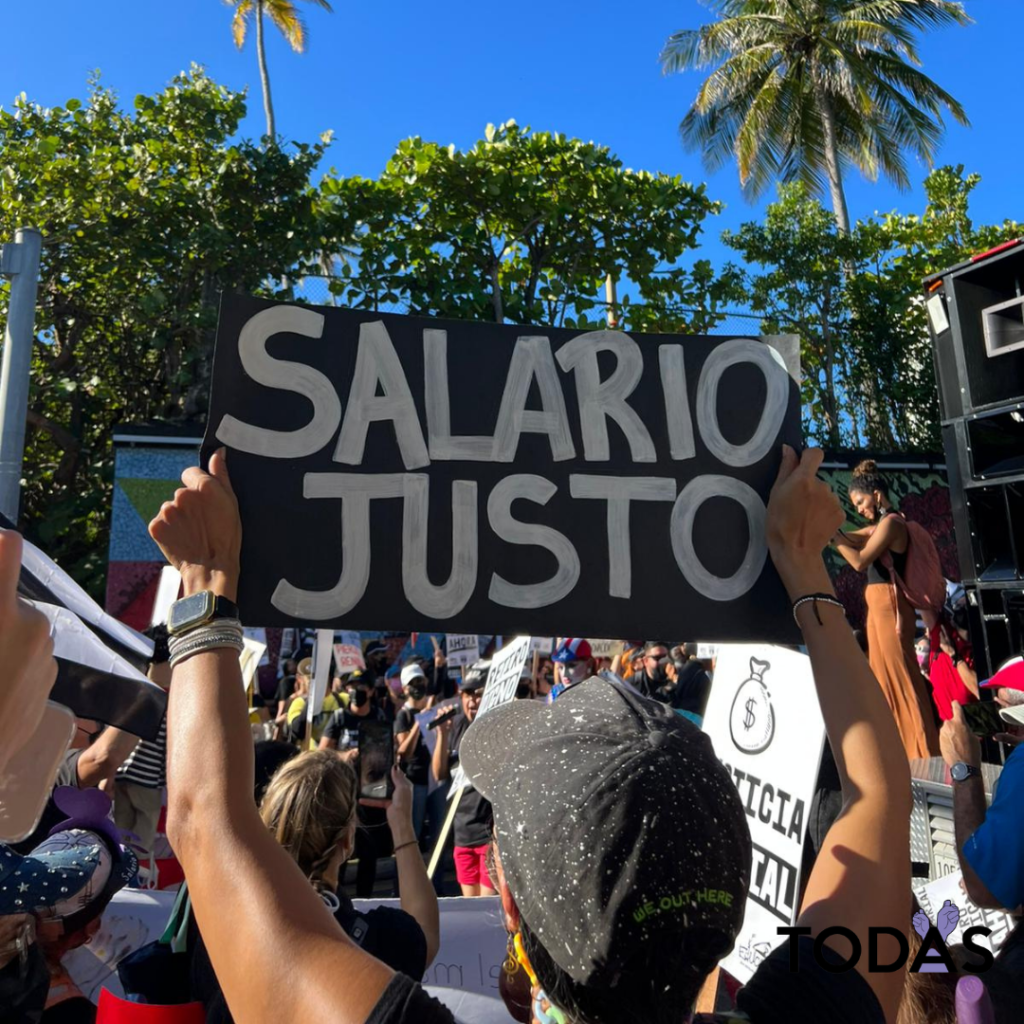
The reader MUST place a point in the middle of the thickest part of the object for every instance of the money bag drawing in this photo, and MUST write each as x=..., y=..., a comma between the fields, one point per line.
x=752, y=717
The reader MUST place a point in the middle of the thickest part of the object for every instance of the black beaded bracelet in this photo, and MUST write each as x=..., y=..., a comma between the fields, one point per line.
x=815, y=598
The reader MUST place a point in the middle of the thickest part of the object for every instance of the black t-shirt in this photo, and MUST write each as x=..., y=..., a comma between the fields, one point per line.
x=417, y=768
x=775, y=995
x=77, y=1010
x=405, y=1002
x=809, y=995
x=692, y=688
x=474, y=820
x=285, y=689
x=387, y=933
x=343, y=726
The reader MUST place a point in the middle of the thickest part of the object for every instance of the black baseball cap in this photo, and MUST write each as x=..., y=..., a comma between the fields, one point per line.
x=618, y=827
x=475, y=677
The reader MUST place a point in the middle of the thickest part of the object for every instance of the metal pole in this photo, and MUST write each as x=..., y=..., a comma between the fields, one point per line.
x=20, y=262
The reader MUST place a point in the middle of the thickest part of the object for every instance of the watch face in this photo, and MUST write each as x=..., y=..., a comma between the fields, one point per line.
x=960, y=771
x=189, y=612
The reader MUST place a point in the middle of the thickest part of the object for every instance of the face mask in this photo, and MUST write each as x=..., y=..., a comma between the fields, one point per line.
x=359, y=698
x=658, y=674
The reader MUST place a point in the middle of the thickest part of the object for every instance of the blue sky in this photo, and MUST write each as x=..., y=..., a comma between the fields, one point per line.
x=376, y=73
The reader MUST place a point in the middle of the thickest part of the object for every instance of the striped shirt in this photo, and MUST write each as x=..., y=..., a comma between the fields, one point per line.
x=146, y=765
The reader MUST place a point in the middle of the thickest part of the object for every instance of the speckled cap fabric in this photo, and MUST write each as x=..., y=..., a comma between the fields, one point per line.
x=617, y=825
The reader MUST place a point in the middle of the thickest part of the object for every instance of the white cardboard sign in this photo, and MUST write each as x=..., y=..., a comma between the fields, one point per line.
x=472, y=949
x=766, y=726
x=502, y=683
x=463, y=649
x=348, y=653
x=932, y=897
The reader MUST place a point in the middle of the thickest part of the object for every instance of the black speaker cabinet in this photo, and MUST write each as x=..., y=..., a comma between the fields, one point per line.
x=976, y=317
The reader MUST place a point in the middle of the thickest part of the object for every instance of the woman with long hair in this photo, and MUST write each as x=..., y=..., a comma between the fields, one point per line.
x=890, y=621
x=310, y=809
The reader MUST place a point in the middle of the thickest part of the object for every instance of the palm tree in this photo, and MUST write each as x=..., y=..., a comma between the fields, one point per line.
x=805, y=89
x=285, y=15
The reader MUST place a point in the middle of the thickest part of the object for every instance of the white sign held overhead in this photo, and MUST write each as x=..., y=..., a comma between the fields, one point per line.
x=348, y=653
x=707, y=652
x=322, y=652
x=252, y=656
x=502, y=682
x=542, y=645
x=506, y=671
x=934, y=895
x=766, y=726
x=463, y=649
x=166, y=594
x=605, y=648
x=68, y=592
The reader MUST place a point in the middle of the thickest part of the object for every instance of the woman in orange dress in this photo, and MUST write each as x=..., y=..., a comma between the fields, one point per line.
x=890, y=622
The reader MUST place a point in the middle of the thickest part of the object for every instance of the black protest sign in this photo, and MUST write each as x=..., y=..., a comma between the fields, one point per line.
x=405, y=473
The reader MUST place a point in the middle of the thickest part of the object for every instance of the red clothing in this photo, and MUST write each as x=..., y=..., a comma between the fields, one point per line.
x=947, y=686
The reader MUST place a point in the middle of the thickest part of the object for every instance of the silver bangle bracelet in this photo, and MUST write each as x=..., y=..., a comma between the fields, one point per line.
x=212, y=643
x=221, y=633
x=198, y=634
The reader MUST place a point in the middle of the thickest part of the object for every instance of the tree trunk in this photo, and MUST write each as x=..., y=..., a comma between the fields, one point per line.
x=832, y=165
x=831, y=406
x=261, y=54
x=496, y=300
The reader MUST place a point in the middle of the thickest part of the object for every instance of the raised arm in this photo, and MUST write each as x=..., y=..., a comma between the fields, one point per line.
x=99, y=762
x=958, y=743
x=248, y=893
x=861, y=878
x=415, y=889
x=439, y=760
x=26, y=652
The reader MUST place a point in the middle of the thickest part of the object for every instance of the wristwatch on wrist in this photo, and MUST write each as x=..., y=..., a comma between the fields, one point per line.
x=961, y=771
x=198, y=610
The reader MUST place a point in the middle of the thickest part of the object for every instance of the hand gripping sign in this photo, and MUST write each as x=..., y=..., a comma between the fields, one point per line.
x=460, y=477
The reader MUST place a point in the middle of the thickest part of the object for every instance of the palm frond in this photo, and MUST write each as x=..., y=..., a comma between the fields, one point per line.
x=917, y=15
x=775, y=63
x=285, y=15
x=240, y=21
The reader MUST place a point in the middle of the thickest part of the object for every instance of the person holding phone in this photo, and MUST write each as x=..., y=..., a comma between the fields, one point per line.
x=989, y=839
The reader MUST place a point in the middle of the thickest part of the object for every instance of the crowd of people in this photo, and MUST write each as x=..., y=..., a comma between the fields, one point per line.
x=593, y=807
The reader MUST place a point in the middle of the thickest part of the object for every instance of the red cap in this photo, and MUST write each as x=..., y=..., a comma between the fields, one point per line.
x=1011, y=675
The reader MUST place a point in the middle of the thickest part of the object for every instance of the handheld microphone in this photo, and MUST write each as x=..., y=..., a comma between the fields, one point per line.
x=442, y=718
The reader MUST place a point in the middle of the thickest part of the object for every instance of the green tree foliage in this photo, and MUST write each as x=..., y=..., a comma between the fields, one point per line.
x=524, y=228
x=866, y=350
x=146, y=215
x=286, y=17
x=804, y=89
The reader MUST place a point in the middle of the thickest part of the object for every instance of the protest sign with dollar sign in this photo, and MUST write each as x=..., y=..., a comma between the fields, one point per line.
x=765, y=723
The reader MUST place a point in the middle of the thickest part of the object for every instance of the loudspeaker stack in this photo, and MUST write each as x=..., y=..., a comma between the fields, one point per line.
x=976, y=316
